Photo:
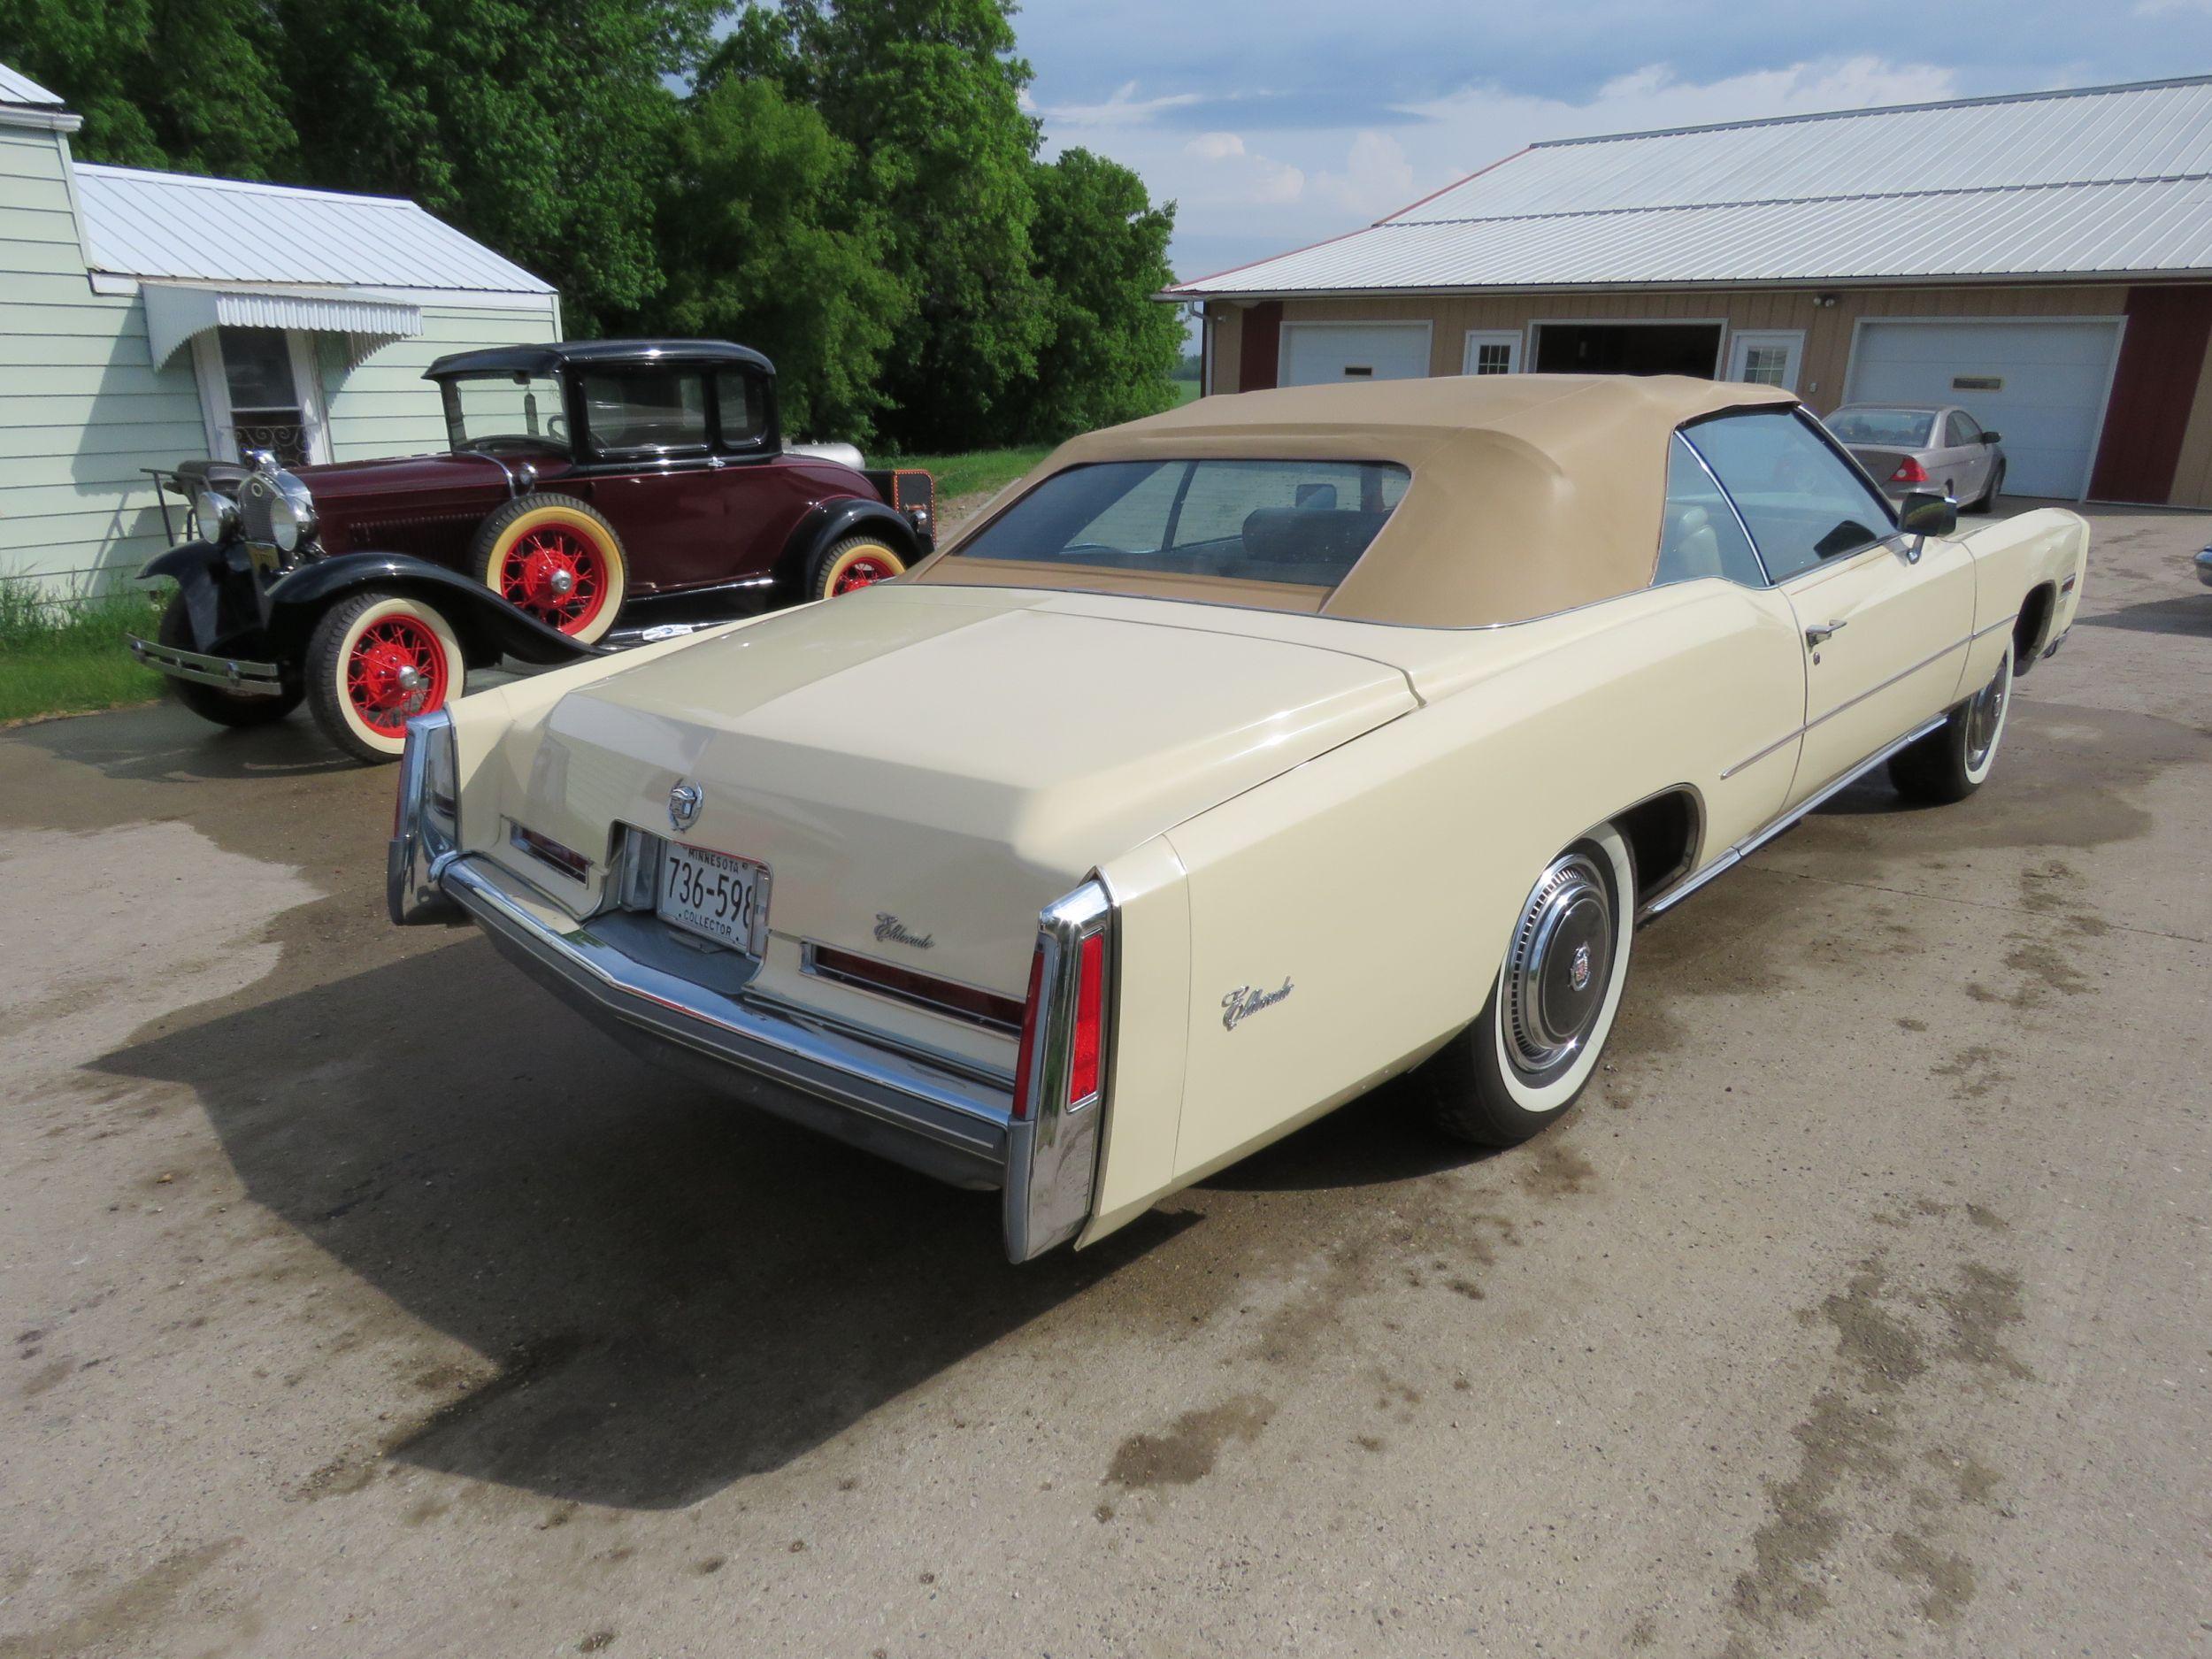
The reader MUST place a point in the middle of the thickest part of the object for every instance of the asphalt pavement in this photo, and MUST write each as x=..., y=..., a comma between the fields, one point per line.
x=361, y=1302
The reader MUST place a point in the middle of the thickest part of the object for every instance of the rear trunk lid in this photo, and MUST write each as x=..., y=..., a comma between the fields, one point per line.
x=955, y=758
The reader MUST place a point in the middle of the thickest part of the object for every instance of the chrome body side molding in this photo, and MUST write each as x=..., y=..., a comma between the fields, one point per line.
x=1904, y=673
x=1751, y=843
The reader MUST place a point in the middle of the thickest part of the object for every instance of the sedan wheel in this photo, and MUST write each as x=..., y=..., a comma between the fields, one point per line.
x=1950, y=763
x=1536, y=1043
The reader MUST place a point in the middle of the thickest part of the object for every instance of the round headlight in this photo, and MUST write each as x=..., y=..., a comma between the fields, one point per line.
x=216, y=513
x=291, y=514
x=284, y=524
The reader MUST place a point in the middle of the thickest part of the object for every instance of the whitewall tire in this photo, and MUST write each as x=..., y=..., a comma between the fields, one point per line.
x=375, y=662
x=1544, y=1023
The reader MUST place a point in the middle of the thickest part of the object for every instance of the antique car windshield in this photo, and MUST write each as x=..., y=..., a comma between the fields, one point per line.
x=504, y=410
x=1301, y=523
x=1903, y=428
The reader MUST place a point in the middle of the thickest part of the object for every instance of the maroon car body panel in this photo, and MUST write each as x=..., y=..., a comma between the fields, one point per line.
x=693, y=520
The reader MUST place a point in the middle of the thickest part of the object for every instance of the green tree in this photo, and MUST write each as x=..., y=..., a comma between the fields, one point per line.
x=1101, y=255
x=764, y=242
x=540, y=128
x=185, y=85
x=928, y=94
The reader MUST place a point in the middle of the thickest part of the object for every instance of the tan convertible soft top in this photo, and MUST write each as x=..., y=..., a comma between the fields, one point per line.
x=1530, y=493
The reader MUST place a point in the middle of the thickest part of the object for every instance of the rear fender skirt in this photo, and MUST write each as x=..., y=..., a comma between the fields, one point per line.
x=488, y=626
x=833, y=520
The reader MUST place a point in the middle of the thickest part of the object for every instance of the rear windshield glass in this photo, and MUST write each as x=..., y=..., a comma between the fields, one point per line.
x=1903, y=428
x=1304, y=523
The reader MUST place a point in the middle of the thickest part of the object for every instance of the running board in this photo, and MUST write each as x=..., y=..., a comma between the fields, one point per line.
x=1752, y=843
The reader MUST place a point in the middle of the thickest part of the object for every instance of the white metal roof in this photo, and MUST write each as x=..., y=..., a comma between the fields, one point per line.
x=2105, y=181
x=169, y=225
x=17, y=87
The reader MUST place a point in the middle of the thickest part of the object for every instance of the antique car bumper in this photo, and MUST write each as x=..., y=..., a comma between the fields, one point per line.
x=697, y=1013
x=235, y=675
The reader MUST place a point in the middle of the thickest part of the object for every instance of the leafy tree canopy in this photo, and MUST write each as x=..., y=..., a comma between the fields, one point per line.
x=850, y=185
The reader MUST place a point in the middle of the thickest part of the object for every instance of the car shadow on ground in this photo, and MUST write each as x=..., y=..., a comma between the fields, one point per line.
x=163, y=742
x=2188, y=613
x=676, y=1292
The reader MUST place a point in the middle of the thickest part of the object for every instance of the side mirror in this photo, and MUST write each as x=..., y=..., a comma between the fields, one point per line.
x=1925, y=512
x=1991, y=437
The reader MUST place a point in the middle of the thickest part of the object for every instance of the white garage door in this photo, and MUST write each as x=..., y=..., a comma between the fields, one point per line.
x=2042, y=384
x=1319, y=354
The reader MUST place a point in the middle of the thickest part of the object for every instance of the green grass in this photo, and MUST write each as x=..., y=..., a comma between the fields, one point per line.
x=57, y=658
x=978, y=469
x=994, y=469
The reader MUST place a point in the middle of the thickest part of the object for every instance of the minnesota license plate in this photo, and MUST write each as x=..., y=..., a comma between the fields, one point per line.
x=714, y=895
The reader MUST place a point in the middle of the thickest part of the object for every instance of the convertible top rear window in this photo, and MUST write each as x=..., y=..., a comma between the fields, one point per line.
x=1299, y=523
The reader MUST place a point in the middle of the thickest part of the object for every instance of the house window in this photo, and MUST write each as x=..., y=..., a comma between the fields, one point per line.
x=258, y=392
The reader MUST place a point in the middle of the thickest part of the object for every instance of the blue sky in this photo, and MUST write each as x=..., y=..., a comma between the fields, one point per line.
x=1275, y=124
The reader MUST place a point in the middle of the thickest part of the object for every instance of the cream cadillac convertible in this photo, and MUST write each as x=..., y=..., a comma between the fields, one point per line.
x=1232, y=761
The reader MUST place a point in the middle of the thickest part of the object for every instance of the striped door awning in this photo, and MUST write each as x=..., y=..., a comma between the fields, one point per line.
x=176, y=311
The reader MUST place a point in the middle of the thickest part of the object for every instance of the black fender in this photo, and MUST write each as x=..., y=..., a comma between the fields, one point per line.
x=225, y=601
x=833, y=520
x=488, y=627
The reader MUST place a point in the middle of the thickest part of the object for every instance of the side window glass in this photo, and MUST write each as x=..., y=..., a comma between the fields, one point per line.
x=1960, y=431
x=1803, y=505
x=744, y=409
x=1700, y=536
x=647, y=409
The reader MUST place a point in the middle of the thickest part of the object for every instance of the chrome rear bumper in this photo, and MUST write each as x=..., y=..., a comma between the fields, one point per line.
x=928, y=1111
x=235, y=675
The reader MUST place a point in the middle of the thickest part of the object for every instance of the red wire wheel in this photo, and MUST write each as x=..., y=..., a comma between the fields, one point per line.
x=375, y=662
x=555, y=558
x=556, y=575
x=395, y=670
x=857, y=561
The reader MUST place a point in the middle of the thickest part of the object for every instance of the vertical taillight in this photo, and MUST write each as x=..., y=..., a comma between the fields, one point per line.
x=1061, y=1064
x=1088, y=1048
x=1032, y=1015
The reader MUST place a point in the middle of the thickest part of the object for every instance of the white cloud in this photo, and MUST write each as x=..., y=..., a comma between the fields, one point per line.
x=1125, y=108
x=1247, y=194
x=1377, y=178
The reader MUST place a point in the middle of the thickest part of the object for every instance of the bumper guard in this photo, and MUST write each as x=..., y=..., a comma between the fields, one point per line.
x=235, y=675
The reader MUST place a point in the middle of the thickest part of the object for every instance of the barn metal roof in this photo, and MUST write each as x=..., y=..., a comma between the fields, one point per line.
x=170, y=225
x=2105, y=181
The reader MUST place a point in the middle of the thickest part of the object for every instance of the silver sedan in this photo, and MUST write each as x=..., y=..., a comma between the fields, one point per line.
x=1924, y=446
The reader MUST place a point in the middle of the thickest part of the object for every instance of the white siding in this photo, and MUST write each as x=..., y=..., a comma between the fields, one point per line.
x=82, y=407
x=385, y=407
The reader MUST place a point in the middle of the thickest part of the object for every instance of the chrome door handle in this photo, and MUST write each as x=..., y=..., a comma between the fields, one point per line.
x=1821, y=633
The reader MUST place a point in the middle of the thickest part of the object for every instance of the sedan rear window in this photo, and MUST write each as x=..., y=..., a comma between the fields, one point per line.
x=1900, y=428
x=1301, y=523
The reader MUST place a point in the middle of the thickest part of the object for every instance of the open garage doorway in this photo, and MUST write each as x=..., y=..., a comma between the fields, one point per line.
x=1629, y=349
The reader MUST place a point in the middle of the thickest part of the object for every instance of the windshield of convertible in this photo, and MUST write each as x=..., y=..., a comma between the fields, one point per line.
x=1299, y=523
x=504, y=410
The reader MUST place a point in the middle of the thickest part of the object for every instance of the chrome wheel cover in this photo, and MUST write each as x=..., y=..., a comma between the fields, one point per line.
x=1985, y=716
x=1557, y=973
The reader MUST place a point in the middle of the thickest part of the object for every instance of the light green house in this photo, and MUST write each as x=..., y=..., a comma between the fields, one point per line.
x=147, y=317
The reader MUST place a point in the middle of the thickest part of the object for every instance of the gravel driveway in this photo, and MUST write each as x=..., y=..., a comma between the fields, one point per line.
x=360, y=1303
